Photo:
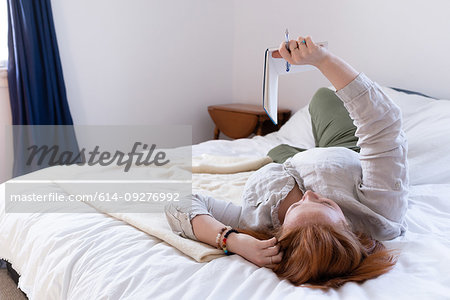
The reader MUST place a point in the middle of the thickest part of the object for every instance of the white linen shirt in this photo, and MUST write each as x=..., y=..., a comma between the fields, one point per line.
x=371, y=187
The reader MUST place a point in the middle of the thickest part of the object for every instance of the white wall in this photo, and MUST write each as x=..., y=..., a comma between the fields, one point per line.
x=119, y=56
x=401, y=43
x=146, y=61
x=5, y=120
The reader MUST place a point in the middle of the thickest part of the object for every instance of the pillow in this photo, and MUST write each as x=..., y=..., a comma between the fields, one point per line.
x=426, y=122
x=410, y=92
x=297, y=131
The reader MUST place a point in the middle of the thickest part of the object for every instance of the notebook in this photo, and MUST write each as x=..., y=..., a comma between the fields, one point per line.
x=274, y=67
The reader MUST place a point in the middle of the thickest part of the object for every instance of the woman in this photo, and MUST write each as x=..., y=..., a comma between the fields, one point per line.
x=316, y=216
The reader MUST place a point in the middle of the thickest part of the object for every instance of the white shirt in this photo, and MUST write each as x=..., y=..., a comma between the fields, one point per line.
x=371, y=187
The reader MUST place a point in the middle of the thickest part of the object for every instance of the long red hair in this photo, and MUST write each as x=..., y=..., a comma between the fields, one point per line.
x=324, y=256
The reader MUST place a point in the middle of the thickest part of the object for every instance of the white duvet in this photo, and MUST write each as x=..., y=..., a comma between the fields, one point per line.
x=94, y=256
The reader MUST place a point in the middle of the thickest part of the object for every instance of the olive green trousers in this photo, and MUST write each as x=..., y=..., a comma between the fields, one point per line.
x=331, y=126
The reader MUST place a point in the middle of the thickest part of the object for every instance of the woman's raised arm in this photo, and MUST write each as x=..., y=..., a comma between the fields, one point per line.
x=383, y=155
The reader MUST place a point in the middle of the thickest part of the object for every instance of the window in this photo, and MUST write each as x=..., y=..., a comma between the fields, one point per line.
x=3, y=33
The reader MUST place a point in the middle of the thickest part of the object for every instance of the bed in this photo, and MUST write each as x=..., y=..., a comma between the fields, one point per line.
x=96, y=256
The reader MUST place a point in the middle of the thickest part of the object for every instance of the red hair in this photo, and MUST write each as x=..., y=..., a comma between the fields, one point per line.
x=324, y=256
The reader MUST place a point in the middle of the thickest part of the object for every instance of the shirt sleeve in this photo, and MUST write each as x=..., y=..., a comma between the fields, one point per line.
x=179, y=214
x=385, y=183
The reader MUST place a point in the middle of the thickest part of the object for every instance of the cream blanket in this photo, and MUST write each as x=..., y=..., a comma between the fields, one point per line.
x=222, y=186
x=214, y=164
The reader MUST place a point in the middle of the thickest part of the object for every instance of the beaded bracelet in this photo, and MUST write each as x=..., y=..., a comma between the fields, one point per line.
x=224, y=241
x=219, y=234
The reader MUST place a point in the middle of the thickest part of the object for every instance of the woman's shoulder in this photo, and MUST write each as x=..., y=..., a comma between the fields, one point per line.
x=266, y=182
x=262, y=195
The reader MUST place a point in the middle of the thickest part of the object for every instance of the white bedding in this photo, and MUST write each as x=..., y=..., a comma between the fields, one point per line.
x=94, y=256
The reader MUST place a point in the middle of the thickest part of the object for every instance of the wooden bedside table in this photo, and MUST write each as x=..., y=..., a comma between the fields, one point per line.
x=241, y=120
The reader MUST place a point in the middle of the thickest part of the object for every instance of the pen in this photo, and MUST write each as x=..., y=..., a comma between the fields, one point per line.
x=287, y=48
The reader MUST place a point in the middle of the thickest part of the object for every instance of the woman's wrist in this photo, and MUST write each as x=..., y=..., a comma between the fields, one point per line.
x=233, y=242
x=337, y=71
x=326, y=62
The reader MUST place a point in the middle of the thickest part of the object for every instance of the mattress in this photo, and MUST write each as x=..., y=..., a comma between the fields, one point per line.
x=96, y=256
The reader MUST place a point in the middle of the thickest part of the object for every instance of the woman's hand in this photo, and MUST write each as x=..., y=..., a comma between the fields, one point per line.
x=263, y=253
x=336, y=70
x=303, y=52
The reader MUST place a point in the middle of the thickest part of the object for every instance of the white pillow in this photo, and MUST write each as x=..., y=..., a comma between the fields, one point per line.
x=426, y=123
x=297, y=131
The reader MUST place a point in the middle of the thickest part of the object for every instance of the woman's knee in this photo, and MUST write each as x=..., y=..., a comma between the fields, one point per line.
x=324, y=99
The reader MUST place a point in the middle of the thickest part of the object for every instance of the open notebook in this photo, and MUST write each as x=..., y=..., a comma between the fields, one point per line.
x=273, y=67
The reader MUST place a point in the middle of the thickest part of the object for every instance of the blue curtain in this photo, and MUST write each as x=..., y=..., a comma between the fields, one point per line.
x=36, y=83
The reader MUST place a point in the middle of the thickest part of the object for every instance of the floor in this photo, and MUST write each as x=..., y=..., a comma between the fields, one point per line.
x=8, y=289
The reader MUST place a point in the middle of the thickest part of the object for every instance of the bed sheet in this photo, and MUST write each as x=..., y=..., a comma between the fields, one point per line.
x=94, y=256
